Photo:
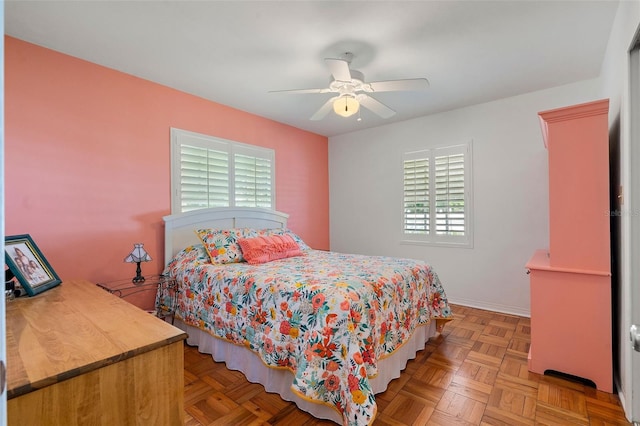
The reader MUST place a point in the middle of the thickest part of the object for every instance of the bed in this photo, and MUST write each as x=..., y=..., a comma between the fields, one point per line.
x=325, y=330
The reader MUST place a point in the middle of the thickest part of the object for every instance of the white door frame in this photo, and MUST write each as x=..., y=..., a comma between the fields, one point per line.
x=631, y=218
x=3, y=351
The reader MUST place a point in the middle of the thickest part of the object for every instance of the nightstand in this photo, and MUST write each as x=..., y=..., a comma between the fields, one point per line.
x=164, y=287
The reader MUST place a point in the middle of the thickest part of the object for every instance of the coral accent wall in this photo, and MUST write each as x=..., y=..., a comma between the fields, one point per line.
x=87, y=156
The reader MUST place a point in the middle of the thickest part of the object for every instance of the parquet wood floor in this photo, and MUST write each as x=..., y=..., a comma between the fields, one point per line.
x=475, y=373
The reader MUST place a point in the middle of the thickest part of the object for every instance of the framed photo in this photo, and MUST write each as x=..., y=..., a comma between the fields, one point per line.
x=28, y=264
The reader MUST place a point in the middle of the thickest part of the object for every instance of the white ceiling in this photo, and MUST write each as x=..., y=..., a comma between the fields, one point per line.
x=234, y=52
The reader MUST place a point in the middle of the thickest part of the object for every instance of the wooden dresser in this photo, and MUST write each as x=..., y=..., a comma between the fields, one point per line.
x=77, y=355
x=571, y=281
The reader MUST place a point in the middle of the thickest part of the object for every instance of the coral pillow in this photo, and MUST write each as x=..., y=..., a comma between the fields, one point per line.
x=267, y=248
x=280, y=231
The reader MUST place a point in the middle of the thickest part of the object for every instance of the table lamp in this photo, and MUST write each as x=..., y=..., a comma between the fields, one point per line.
x=136, y=256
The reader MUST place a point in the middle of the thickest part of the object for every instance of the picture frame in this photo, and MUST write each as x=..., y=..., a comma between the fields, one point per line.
x=28, y=264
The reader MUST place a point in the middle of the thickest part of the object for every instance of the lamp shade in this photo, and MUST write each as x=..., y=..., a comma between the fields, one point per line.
x=138, y=254
x=346, y=106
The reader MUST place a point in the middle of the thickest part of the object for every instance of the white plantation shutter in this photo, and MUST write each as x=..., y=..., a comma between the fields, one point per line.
x=213, y=172
x=252, y=181
x=416, y=196
x=204, y=178
x=450, y=194
x=437, y=198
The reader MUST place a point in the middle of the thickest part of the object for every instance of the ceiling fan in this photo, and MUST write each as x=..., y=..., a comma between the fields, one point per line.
x=352, y=91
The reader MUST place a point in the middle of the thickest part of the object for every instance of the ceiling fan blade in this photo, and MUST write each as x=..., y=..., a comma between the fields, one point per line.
x=324, y=110
x=296, y=91
x=399, y=85
x=376, y=106
x=339, y=69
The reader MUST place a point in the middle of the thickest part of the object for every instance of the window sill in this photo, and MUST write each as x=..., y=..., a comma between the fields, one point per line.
x=448, y=244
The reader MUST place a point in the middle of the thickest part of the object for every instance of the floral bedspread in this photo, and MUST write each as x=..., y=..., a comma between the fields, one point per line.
x=327, y=317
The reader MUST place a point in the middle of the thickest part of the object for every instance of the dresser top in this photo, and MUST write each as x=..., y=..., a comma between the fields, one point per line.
x=72, y=329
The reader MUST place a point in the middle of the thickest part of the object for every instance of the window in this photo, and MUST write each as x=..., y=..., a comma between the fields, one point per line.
x=437, y=201
x=213, y=172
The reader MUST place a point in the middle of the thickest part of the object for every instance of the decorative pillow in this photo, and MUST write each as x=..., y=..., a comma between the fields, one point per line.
x=284, y=231
x=192, y=255
x=267, y=248
x=222, y=244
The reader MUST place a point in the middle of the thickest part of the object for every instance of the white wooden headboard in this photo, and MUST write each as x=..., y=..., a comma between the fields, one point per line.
x=179, y=229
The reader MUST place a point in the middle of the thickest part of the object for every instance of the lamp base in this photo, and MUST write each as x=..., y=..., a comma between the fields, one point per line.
x=138, y=278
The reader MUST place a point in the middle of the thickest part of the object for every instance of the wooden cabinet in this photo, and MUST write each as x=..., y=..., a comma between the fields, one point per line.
x=78, y=355
x=571, y=281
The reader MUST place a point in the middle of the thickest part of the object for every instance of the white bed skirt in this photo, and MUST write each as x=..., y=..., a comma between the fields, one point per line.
x=279, y=381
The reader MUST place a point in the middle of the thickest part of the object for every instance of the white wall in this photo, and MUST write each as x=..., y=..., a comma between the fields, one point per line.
x=615, y=85
x=509, y=188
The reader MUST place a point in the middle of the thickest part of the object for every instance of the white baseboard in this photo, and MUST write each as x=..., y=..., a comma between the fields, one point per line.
x=512, y=310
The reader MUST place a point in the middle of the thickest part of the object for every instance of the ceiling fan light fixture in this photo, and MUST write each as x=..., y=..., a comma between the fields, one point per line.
x=346, y=106
x=351, y=91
